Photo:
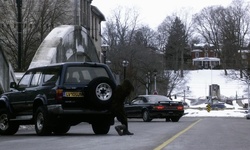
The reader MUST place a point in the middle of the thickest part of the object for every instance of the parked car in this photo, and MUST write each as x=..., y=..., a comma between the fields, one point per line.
x=149, y=107
x=185, y=104
x=58, y=96
x=248, y=115
x=218, y=106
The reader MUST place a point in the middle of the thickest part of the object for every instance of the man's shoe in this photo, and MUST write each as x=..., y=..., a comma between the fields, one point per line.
x=127, y=133
x=119, y=131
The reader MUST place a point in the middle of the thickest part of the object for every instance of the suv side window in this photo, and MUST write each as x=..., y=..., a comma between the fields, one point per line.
x=24, y=82
x=36, y=79
x=51, y=76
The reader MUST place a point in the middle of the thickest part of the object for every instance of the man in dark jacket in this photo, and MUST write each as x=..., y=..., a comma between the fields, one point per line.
x=122, y=91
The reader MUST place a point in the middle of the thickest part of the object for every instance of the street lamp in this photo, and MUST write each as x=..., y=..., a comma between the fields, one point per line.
x=155, y=73
x=19, y=32
x=148, y=83
x=184, y=98
x=105, y=47
x=124, y=64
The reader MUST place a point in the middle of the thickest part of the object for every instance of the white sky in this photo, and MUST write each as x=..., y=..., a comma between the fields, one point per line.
x=152, y=13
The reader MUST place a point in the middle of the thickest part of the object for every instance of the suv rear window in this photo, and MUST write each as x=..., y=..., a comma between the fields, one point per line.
x=84, y=74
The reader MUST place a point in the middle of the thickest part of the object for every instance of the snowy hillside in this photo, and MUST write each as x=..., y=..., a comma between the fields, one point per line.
x=199, y=81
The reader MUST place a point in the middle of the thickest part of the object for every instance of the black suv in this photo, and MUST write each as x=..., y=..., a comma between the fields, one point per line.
x=59, y=96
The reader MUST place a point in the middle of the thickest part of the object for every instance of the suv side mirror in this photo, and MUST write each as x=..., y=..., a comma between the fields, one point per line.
x=127, y=102
x=13, y=85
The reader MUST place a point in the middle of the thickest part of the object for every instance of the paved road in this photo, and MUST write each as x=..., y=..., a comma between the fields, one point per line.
x=188, y=133
x=214, y=134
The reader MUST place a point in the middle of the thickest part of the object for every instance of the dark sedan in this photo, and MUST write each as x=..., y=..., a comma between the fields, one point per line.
x=149, y=107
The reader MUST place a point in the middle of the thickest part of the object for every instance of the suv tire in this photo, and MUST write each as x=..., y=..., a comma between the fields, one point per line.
x=100, y=128
x=7, y=127
x=101, y=91
x=42, y=121
x=61, y=129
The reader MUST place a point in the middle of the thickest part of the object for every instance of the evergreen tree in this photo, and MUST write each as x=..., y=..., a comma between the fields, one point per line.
x=175, y=47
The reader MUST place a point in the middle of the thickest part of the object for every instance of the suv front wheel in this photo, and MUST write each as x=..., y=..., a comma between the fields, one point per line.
x=7, y=127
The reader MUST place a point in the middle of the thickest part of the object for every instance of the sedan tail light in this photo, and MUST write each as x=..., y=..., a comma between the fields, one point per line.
x=180, y=107
x=159, y=107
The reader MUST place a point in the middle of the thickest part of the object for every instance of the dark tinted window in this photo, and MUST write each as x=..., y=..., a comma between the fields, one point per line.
x=84, y=74
x=51, y=75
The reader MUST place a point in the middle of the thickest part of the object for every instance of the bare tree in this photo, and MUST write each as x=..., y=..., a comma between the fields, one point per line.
x=120, y=27
x=235, y=38
x=38, y=19
x=130, y=41
x=207, y=24
x=227, y=29
x=238, y=13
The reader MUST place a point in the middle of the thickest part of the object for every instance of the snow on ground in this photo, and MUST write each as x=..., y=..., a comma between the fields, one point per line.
x=200, y=111
x=215, y=113
x=198, y=83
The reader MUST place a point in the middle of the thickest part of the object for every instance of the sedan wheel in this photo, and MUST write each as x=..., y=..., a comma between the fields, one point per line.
x=146, y=116
x=168, y=119
x=175, y=119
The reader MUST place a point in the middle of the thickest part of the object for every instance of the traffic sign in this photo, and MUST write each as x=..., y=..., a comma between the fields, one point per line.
x=208, y=107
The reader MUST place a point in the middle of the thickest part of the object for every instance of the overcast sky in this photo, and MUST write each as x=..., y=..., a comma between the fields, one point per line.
x=153, y=12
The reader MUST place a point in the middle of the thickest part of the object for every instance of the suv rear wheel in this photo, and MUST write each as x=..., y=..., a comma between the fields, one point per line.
x=101, y=91
x=61, y=129
x=100, y=128
x=42, y=121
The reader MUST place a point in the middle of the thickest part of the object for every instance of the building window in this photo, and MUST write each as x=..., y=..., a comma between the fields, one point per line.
x=206, y=54
x=197, y=54
x=96, y=28
x=215, y=54
x=93, y=26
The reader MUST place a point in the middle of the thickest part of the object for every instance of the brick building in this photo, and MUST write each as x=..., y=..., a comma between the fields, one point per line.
x=204, y=56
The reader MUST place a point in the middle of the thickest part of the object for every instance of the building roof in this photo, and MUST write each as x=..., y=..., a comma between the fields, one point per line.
x=98, y=12
x=203, y=44
x=196, y=50
x=206, y=59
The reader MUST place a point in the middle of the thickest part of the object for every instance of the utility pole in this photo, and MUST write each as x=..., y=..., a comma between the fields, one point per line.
x=19, y=33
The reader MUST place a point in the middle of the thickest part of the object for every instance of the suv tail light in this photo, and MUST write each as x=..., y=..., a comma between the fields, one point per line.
x=59, y=94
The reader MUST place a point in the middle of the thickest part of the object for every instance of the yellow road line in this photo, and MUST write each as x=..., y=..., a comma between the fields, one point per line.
x=176, y=136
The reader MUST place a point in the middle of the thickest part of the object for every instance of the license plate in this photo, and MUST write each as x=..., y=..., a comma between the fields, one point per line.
x=73, y=94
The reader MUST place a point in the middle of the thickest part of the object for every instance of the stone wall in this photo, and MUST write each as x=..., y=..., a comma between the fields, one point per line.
x=6, y=72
